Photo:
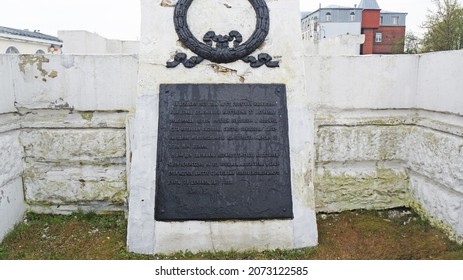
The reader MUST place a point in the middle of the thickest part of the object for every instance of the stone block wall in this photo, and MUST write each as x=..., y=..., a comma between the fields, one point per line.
x=436, y=172
x=398, y=158
x=12, y=205
x=388, y=132
x=360, y=161
x=64, y=127
x=393, y=137
x=79, y=166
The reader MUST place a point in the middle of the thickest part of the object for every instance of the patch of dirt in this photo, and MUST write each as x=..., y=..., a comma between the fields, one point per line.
x=378, y=235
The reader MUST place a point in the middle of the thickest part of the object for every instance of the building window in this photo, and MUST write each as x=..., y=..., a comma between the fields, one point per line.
x=395, y=20
x=328, y=16
x=379, y=37
x=381, y=20
x=12, y=50
x=352, y=16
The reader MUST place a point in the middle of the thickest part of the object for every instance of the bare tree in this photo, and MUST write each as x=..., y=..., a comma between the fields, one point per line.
x=409, y=44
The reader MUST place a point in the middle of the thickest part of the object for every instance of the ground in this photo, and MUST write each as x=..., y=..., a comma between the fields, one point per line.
x=391, y=234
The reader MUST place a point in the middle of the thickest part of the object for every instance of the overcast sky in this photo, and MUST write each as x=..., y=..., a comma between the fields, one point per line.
x=114, y=19
x=120, y=19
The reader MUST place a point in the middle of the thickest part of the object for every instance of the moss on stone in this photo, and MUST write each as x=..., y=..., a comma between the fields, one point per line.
x=381, y=189
x=425, y=215
x=88, y=116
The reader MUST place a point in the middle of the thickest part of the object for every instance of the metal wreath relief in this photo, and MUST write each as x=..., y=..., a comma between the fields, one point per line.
x=222, y=52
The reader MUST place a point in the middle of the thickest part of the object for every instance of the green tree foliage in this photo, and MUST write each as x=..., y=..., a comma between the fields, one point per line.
x=444, y=27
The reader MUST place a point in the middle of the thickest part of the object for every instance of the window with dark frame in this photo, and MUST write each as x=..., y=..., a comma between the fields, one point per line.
x=12, y=50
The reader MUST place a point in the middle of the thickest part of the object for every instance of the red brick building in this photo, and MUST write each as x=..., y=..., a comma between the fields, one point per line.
x=384, y=31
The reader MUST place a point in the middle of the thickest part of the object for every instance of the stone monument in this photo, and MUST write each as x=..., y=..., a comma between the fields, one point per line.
x=221, y=145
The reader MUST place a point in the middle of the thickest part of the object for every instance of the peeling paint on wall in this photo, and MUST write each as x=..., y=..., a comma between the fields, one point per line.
x=53, y=74
x=31, y=60
x=168, y=3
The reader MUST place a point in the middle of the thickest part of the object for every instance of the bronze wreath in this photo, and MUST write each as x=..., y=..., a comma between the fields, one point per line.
x=221, y=53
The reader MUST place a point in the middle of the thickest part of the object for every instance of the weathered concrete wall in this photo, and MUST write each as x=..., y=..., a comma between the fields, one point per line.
x=411, y=158
x=80, y=83
x=80, y=165
x=359, y=162
x=11, y=192
x=439, y=83
x=435, y=163
x=6, y=86
x=389, y=133
x=12, y=205
x=84, y=42
x=68, y=114
x=360, y=158
x=362, y=82
x=337, y=46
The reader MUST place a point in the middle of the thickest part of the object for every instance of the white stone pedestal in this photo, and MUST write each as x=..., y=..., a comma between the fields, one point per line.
x=159, y=43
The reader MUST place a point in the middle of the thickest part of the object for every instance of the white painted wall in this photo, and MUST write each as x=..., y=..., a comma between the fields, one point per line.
x=344, y=91
x=6, y=85
x=333, y=29
x=68, y=142
x=327, y=30
x=84, y=83
x=373, y=82
x=440, y=87
x=341, y=45
x=84, y=42
x=122, y=47
x=364, y=142
x=428, y=81
x=23, y=47
x=12, y=205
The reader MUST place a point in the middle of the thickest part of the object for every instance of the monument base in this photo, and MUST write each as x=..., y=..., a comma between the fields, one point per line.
x=148, y=236
x=211, y=200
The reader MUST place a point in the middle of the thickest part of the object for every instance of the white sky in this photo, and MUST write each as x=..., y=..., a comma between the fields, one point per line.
x=120, y=19
x=114, y=19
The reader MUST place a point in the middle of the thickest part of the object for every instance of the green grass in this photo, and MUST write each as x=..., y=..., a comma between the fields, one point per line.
x=349, y=235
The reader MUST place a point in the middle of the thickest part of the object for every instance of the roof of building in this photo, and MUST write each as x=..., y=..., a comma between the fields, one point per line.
x=304, y=14
x=336, y=7
x=392, y=12
x=30, y=34
x=369, y=5
x=329, y=7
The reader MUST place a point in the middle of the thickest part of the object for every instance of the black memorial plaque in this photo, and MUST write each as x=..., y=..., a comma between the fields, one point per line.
x=223, y=153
